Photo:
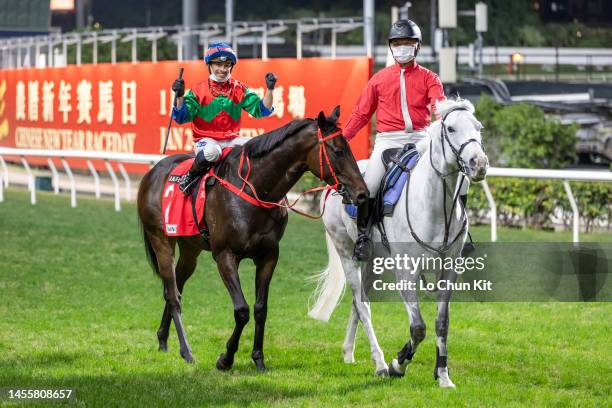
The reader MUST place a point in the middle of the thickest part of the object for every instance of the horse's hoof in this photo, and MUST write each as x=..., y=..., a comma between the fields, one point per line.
x=162, y=340
x=222, y=364
x=395, y=369
x=188, y=357
x=261, y=367
x=383, y=373
x=349, y=359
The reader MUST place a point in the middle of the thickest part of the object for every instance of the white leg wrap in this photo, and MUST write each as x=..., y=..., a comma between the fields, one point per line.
x=444, y=380
x=400, y=368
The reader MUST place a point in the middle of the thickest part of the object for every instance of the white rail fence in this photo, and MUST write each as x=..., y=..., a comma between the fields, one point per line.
x=151, y=159
x=62, y=155
x=565, y=175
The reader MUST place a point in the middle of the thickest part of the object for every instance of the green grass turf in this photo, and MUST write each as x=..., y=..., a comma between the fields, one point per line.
x=80, y=307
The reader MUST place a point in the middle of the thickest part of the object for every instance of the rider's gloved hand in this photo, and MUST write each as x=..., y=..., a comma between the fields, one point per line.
x=179, y=87
x=270, y=80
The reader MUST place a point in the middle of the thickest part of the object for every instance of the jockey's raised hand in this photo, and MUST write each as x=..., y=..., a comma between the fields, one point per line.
x=179, y=87
x=270, y=80
x=217, y=94
x=270, y=84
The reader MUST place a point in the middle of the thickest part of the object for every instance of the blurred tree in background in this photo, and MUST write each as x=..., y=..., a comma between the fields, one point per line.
x=521, y=135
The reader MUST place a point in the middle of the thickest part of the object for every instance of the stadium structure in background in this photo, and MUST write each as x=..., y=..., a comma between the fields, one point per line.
x=267, y=40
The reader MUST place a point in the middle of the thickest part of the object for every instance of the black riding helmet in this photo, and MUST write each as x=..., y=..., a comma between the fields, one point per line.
x=405, y=29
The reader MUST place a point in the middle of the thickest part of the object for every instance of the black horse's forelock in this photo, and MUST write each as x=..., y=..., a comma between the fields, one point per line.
x=260, y=145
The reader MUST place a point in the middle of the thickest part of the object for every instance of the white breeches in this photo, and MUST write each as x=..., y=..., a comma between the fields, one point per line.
x=385, y=140
x=388, y=140
x=212, y=148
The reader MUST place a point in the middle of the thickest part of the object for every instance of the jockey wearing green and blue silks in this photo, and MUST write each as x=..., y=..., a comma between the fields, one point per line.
x=214, y=108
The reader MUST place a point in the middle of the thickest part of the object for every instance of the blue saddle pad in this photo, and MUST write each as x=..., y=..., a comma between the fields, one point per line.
x=351, y=210
x=394, y=180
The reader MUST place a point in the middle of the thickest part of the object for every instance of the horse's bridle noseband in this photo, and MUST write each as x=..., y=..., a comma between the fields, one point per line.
x=461, y=168
x=323, y=154
x=461, y=165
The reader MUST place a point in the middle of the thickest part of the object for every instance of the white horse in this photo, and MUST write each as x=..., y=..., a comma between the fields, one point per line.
x=451, y=150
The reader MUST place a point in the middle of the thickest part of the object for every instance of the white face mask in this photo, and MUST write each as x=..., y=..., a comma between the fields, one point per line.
x=214, y=78
x=403, y=53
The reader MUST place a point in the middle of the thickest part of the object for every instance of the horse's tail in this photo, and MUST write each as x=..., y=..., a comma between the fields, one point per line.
x=330, y=285
x=151, y=257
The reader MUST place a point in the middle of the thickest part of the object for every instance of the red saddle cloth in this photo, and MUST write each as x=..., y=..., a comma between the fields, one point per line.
x=183, y=217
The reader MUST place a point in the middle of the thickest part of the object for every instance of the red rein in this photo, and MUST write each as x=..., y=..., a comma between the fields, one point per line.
x=255, y=200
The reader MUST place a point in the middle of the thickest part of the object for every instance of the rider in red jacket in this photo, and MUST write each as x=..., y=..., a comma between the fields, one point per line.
x=403, y=97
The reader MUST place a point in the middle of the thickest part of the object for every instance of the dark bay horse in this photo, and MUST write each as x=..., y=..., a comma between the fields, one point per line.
x=239, y=229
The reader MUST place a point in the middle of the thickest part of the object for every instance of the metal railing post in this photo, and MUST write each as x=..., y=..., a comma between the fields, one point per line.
x=126, y=178
x=96, y=178
x=5, y=172
x=264, y=43
x=111, y=172
x=333, y=43
x=65, y=49
x=78, y=49
x=114, y=48
x=36, y=52
x=134, y=47
x=73, y=202
x=179, y=50
x=493, y=208
x=95, y=49
x=55, y=175
x=572, y=200
x=154, y=50
x=49, y=51
x=31, y=185
x=299, y=40
x=19, y=61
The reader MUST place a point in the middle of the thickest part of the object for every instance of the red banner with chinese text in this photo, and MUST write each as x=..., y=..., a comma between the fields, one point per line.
x=125, y=107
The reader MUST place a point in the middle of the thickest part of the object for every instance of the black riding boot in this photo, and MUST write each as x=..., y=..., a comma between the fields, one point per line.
x=468, y=247
x=363, y=246
x=199, y=166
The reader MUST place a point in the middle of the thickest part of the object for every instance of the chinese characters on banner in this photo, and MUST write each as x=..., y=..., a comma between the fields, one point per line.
x=125, y=107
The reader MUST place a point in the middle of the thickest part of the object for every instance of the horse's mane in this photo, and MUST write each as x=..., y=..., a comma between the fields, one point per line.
x=442, y=108
x=448, y=105
x=260, y=145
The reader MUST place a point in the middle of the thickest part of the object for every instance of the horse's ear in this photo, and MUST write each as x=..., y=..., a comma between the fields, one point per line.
x=322, y=121
x=335, y=115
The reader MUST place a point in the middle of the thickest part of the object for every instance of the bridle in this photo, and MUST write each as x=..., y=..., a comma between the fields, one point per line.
x=324, y=161
x=461, y=168
x=323, y=154
x=461, y=165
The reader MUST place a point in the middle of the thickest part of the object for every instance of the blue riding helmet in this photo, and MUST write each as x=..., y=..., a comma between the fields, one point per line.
x=220, y=51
